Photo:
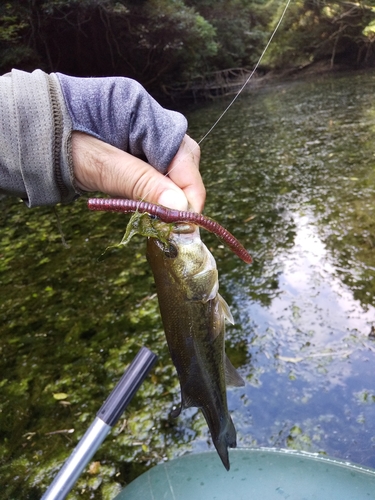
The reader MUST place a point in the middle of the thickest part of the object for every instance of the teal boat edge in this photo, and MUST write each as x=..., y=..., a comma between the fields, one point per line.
x=255, y=473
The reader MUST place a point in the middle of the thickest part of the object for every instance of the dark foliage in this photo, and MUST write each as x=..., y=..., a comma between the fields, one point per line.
x=164, y=42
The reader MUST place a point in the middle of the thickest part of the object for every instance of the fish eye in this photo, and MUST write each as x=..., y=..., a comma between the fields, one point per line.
x=170, y=251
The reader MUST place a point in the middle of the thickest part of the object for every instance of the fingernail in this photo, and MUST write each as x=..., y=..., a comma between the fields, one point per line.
x=173, y=199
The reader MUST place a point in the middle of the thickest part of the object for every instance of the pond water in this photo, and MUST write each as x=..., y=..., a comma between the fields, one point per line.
x=290, y=170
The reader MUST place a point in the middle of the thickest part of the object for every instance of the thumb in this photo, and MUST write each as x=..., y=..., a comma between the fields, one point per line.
x=98, y=166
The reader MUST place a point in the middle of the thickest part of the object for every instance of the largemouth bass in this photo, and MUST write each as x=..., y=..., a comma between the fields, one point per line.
x=193, y=315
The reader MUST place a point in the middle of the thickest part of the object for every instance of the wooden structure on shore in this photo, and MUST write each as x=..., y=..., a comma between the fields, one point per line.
x=216, y=84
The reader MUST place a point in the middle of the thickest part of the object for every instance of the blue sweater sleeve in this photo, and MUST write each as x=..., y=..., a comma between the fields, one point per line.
x=120, y=112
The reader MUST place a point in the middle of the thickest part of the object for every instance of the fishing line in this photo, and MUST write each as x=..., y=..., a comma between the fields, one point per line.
x=236, y=96
x=250, y=76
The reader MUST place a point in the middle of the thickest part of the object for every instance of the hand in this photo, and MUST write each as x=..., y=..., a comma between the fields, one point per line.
x=98, y=166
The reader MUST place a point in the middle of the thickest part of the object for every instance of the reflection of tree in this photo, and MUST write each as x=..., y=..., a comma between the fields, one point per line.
x=345, y=204
x=350, y=236
x=311, y=146
x=246, y=189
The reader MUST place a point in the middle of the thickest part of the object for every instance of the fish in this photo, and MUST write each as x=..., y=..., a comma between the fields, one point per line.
x=193, y=315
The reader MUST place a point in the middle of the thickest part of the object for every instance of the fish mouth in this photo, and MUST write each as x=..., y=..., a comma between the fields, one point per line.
x=182, y=233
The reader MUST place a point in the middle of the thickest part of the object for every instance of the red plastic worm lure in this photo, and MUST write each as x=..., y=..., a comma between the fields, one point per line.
x=169, y=215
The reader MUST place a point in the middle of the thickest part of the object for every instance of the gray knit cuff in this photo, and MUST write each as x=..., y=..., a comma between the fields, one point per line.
x=43, y=135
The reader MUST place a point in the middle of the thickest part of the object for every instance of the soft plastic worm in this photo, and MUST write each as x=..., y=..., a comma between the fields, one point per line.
x=169, y=215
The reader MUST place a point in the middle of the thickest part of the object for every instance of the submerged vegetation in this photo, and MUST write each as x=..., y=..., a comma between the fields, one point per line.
x=160, y=42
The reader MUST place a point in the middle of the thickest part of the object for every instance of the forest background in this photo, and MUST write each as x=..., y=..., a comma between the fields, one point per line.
x=165, y=43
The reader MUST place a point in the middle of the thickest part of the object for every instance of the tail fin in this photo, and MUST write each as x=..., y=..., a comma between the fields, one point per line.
x=224, y=439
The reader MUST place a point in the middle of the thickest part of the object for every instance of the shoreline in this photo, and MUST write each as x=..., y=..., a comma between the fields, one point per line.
x=263, y=77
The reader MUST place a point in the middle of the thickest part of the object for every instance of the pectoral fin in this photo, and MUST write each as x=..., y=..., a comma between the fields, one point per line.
x=232, y=377
x=225, y=309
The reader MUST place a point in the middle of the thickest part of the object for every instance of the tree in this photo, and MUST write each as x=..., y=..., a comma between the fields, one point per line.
x=331, y=30
x=14, y=51
x=153, y=41
x=241, y=28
